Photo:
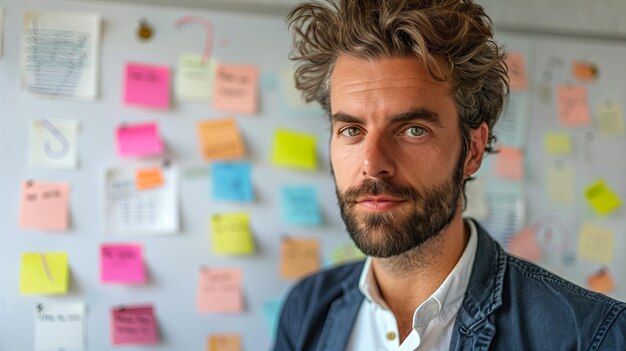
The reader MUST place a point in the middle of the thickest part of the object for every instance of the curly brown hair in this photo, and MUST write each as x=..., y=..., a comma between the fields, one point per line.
x=457, y=32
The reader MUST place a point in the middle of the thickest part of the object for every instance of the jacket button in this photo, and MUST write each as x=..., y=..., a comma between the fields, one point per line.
x=391, y=335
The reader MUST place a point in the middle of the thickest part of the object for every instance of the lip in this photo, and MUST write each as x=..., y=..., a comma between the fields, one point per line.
x=379, y=203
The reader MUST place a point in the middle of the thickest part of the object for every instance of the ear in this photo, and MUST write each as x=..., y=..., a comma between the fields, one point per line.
x=474, y=157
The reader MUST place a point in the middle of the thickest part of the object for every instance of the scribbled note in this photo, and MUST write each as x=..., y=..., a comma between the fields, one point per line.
x=236, y=88
x=60, y=54
x=294, y=150
x=610, y=119
x=231, y=233
x=298, y=257
x=602, y=198
x=194, y=78
x=122, y=263
x=147, y=85
x=231, y=181
x=512, y=127
x=299, y=205
x=134, y=325
x=54, y=144
x=139, y=140
x=573, y=105
x=595, y=243
x=45, y=205
x=219, y=290
x=510, y=163
x=44, y=273
x=220, y=139
x=224, y=342
x=60, y=326
x=601, y=281
x=518, y=79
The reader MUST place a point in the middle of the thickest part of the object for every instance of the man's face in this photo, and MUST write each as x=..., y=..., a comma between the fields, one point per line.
x=395, y=152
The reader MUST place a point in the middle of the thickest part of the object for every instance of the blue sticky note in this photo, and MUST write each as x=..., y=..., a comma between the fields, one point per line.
x=231, y=181
x=271, y=314
x=299, y=205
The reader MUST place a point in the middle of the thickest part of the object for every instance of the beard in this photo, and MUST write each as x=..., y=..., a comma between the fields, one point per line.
x=397, y=231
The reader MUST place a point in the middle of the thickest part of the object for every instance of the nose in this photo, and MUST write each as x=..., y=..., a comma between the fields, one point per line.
x=378, y=161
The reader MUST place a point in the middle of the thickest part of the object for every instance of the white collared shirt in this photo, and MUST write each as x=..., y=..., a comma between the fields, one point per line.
x=375, y=327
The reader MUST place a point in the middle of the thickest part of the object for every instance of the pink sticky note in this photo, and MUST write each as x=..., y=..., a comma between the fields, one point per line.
x=219, y=290
x=573, y=105
x=134, y=325
x=139, y=140
x=517, y=71
x=510, y=163
x=236, y=88
x=147, y=85
x=45, y=206
x=524, y=245
x=121, y=263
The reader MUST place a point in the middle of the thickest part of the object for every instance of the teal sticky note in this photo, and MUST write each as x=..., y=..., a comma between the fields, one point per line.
x=299, y=205
x=231, y=181
x=271, y=314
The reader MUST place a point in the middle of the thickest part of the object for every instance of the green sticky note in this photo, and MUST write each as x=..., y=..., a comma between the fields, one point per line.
x=558, y=143
x=231, y=234
x=601, y=198
x=44, y=273
x=294, y=150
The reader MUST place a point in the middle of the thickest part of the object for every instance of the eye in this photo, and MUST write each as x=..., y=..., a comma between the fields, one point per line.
x=350, y=131
x=415, y=131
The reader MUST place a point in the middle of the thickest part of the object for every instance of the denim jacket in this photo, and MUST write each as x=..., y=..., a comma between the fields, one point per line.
x=510, y=304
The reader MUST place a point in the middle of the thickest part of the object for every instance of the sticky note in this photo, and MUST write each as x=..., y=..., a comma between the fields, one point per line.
x=194, y=78
x=147, y=178
x=221, y=139
x=475, y=199
x=231, y=233
x=60, y=326
x=122, y=263
x=45, y=205
x=510, y=163
x=299, y=205
x=346, y=253
x=298, y=257
x=54, y=144
x=139, y=140
x=573, y=105
x=518, y=79
x=524, y=245
x=294, y=150
x=601, y=281
x=231, y=181
x=147, y=85
x=557, y=143
x=271, y=314
x=561, y=182
x=219, y=290
x=44, y=273
x=512, y=126
x=584, y=70
x=134, y=325
x=595, y=243
x=224, y=342
x=236, y=88
x=602, y=198
x=610, y=119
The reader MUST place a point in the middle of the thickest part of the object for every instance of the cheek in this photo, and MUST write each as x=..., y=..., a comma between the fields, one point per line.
x=346, y=166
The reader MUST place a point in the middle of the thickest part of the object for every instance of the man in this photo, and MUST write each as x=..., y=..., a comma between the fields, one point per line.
x=413, y=90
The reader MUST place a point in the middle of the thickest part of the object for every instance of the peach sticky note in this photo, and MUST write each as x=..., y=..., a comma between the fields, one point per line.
x=220, y=139
x=601, y=281
x=224, y=342
x=236, y=88
x=584, y=70
x=524, y=245
x=147, y=178
x=44, y=273
x=595, y=243
x=231, y=233
x=573, y=105
x=298, y=257
x=134, y=325
x=45, y=205
x=122, y=263
x=219, y=290
x=139, y=140
x=147, y=85
x=602, y=198
x=294, y=150
x=510, y=163
x=518, y=78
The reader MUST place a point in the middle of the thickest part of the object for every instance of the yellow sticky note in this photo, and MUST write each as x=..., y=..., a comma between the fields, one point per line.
x=299, y=257
x=148, y=178
x=602, y=198
x=561, y=183
x=610, y=119
x=294, y=150
x=220, y=139
x=225, y=342
x=595, y=243
x=601, y=281
x=44, y=273
x=558, y=143
x=231, y=233
x=194, y=78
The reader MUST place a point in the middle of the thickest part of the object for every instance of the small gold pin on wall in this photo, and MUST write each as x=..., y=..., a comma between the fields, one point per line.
x=145, y=30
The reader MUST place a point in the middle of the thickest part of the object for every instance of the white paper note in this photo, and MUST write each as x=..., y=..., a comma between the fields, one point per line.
x=60, y=326
x=54, y=144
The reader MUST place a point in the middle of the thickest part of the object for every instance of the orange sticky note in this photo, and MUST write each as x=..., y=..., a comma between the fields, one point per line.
x=219, y=290
x=44, y=205
x=220, y=139
x=573, y=105
x=236, y=88
x=517, y=71
x=510, y=163
x=584, y=70
x=524, y=245
x=148, y=178
x=601, y=281
x=298, y=257
x=224, y=342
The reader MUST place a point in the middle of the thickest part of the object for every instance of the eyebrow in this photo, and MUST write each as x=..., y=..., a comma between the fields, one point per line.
x=414, y=115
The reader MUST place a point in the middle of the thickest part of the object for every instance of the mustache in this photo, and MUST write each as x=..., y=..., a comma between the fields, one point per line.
x=380, y=187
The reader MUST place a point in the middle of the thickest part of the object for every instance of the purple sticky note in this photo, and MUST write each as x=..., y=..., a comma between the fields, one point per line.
x=134, y=325
x=121, y=263
x=139, y=140
x=147, y=85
